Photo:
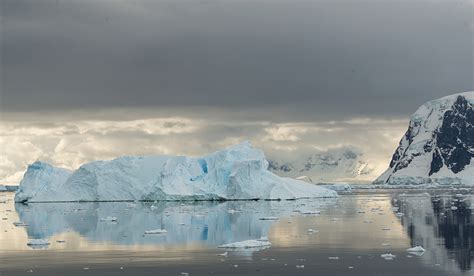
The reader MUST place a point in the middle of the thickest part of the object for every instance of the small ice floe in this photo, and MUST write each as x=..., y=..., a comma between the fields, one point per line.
x=156, y=231
x=232, y=211
x=19, y=224
x=299, y=266
x=109, y=219
x=223, y=254
x=367, y=221
x=386, y=244
x=388, y=256
x=185, y=273
x=417, y=250
x=311, y=231
x=361, y=211
x=309, y=212
x=268, y=218
x=454, y=208
x=333, y=258
x=399, y=214
x=38, y=243
x=262, y=242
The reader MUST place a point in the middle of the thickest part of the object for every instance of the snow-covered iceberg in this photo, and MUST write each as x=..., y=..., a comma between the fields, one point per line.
x=238, y=172
x=438, y=147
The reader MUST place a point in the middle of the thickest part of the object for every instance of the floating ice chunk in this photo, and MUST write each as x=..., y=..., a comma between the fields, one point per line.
x=299, y=266
x=223, y=254
x=156, y=231
x=109, y=219
x=19, y=224
x=308, y=212
x=333, y=258
x=247, y=244
x=268, y=218
x=38, y=243
x=416, y=249
x=388, y=256
x=399, y=214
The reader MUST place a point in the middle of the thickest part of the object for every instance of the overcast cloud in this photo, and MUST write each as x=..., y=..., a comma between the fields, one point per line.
x=82, y=80
x=323, y=58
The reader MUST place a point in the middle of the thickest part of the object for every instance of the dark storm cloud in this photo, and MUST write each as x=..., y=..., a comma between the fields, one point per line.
x=303, y=59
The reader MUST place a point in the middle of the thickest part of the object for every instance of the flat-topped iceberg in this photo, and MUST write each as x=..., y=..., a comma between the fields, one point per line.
x=238, y=172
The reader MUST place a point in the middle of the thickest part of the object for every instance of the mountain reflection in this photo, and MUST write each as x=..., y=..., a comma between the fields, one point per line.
x=441, y=224
x=210, y=223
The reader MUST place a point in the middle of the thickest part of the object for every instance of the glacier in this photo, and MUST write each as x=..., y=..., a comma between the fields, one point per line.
x=343, y=164
x=239, y=172
x=438, y=147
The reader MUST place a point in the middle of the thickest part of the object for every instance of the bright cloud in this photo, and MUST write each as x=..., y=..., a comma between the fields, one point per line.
x=71, y=143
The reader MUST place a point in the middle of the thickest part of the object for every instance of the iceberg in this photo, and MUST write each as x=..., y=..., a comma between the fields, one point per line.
x=239, y=172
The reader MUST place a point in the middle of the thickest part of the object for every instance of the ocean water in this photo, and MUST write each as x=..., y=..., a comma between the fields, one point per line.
x=346, y=236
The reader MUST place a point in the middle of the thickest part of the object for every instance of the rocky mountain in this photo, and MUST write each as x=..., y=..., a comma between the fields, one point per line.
x=333, y=165
x=438, y=146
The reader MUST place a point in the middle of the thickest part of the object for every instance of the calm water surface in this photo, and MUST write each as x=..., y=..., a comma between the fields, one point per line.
x=350, y=235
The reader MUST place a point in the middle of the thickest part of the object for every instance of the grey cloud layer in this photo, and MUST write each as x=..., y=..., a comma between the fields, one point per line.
x=303, y=59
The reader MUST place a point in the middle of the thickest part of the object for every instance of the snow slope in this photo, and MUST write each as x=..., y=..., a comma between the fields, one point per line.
x=238, y=172
x=341, y=164
x=438, y=146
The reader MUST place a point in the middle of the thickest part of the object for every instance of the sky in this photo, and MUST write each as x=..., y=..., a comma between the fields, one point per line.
x=96, y=79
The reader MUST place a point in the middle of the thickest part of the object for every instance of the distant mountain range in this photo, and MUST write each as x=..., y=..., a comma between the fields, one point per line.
x=333, y=165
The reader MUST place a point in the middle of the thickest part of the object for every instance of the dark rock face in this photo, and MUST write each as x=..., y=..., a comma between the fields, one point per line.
x=399, y=153
x=275, y=166
x=452, y=144
x=455, y=138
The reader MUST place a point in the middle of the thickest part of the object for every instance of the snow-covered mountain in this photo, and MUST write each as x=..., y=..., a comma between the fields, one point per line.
x=238, y=172
x=333, y=165
x=438, y=146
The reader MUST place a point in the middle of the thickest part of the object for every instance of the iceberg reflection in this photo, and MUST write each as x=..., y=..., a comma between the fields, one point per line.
x=121, y=223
